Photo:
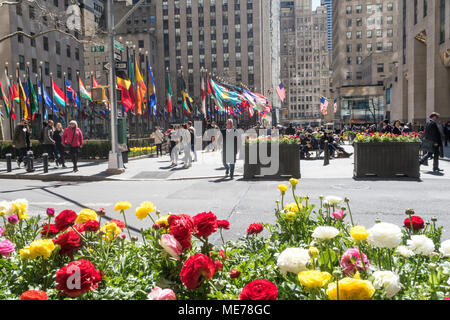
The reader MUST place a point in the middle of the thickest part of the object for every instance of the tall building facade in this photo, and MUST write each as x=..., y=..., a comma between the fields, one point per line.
x=305, y=61
x=56, y=53
x=329, y=5
x=364, y=55
x=421, y=84
x=229, y=38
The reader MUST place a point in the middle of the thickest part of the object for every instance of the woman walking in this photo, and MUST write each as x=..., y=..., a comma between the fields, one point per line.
x=159, y=139
x=73, y=138
x=397, y=128
x=57, y=136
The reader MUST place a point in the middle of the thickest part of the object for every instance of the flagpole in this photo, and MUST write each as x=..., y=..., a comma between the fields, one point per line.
x=79, y=100
x=18, y=89
x=53, y=98
x=41, y=81
x=148, y=91
x=65, y=97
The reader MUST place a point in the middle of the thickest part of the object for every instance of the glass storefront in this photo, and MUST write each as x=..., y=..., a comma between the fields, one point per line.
x=369, y=109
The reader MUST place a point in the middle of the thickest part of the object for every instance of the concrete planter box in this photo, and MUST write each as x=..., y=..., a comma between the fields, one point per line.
x=387, y=159
x=289, y=162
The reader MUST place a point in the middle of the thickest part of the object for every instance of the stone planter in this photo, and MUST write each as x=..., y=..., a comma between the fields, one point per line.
x=387, y=159
x=289, y=162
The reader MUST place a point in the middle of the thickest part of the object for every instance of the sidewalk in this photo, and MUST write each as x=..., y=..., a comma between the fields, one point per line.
x=209, y=166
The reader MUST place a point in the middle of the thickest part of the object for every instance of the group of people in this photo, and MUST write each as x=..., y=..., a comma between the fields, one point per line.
x=181, y=138
x=55, y=142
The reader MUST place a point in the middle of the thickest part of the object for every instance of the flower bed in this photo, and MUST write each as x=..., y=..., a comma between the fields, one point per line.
x=141, y=151
x=313, y=251
x=387, y=137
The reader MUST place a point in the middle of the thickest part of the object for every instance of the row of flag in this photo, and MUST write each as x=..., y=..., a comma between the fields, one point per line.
x=323, y=101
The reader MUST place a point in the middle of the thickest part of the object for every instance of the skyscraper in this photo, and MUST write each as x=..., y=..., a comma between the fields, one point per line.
x=329, y=5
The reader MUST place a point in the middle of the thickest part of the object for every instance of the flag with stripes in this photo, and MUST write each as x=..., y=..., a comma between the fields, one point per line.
x=281, y=92
x=323, y=105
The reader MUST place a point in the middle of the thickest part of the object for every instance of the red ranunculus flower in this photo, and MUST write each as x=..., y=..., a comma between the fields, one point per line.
x=34, y=295
x=417, y=221
x=255, y=228
x=218, y=265
x=205, y=224
x=69, y=242
x=118, y=223
x=79, y=227
x=91, y=225
x=64, y=219
x=223, y=224
x=234, y=273
x=52, y=230
x=67, y=282
x=195, y=268
x=259, y=290
x=181, y=227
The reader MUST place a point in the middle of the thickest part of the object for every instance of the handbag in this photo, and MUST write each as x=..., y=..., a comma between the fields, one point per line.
x=67, y=148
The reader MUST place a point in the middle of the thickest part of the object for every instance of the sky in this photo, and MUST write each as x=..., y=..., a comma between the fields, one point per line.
x=315, y=4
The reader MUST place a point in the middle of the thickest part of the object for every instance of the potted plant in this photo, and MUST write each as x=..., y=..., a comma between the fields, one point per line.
x=387, y=155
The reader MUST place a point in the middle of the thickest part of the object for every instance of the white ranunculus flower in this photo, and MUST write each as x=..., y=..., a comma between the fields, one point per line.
x=333, y=200
x=405, y=252
x=385, y=235
x=293, y=260
x=387, y=280
x=325, y=233
x=6, y=208
x=421, y=244
x=445, y=248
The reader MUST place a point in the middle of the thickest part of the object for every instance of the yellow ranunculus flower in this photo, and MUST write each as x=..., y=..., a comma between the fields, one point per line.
x=41, y=248
x=359, y=233
x=86, y=215
x=145, y=208
x=292, y=207
x=122, y=205
x=283, y=188
x=313, y=252
x=163, y=220
x=25, y=253
x=111, y=231
x=20, y=207
x=314, y=279
x=291, y=216
x=351, y=289
x=293, y=182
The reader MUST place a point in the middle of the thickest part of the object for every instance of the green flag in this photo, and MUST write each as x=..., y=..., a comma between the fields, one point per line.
x=33, y=99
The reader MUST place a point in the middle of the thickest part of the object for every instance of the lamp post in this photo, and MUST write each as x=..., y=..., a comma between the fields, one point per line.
x=65, y=99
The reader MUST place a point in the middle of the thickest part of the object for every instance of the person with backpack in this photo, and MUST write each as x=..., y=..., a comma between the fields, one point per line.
x=48, y=144
x=73, y=140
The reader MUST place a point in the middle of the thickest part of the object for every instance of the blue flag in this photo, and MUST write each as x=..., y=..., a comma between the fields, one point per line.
x=153, y=101
x=48, y=101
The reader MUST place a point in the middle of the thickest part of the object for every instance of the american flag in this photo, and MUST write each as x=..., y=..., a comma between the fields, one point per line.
x=323, y=105
x=281, y=92
x=335, y=106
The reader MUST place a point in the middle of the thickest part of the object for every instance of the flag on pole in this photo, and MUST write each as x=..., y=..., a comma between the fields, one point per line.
x=94, y=82
x=335, y=106
x=5, y=99
x=11, y=97
x=187, y=100
x=58, y=94
x=83, y=92
x=23, y=100
x=323, y=105
x=203, y=97
x=33, y=101
x=169, y=95
x=48, y=101
x=15, y=93
x=281, y=92
x=40, y=99
x=124, y=86
x=140, y=87
x=71, y=94
x=152, y=91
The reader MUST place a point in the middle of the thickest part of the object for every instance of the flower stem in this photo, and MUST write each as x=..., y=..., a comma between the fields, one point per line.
x=126, y=224
x=350, y=213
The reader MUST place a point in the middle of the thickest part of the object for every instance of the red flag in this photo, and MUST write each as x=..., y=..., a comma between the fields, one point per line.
x=94, y=82
x=209, y=87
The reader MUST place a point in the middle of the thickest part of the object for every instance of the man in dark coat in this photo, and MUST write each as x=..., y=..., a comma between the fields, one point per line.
x=21, y=140
x=231, y=144
x=386, y=128
x=290, y=131
x=432, y=133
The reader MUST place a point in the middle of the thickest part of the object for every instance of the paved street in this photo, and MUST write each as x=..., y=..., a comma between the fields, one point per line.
x=201, y=188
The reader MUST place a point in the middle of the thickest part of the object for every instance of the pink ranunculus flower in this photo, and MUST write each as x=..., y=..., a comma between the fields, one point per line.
x=351, y=260
x=161, y=294
x=6, y=248
x=171, y=245
x=338, y=215
x=50, y=212
x=13, y=219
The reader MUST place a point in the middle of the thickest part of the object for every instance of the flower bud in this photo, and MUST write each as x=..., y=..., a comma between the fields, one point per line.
x=50, y=212
x=101, y=212
x=234, y=273
x=377, y=221
x=432, y=266
x=434, y=219
x=313, y=252
x=321, y=197
x=134, y=238
x=13, y=219
x=409, y=212
x=336, y=250
x=433, y=254
x=337, y=274
x=346, y=199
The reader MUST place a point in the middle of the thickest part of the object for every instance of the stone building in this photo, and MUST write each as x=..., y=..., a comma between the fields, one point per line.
x=305, y=61
x=421, y=84
x=364, y=54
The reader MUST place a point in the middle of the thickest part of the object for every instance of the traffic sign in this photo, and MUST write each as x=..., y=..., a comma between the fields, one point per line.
x=118, y=46
x=121, y=66
x=106, y=66
x=117, y=56
x=98, y=49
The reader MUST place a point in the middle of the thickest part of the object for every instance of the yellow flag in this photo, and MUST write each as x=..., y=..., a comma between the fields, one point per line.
x=23, y=100
x=140, y=87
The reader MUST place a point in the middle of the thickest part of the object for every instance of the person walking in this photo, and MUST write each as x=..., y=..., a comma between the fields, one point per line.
x=432, y=142
x=447, y=133
x=397, y=128
x=186, y=145
x=73, y=138
x=193, y=137
x=230, y=146
x=57, y=137
x=290, y=131
x=48, y=143
x=21, y=140
x=159, y=139
x=175, y=139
